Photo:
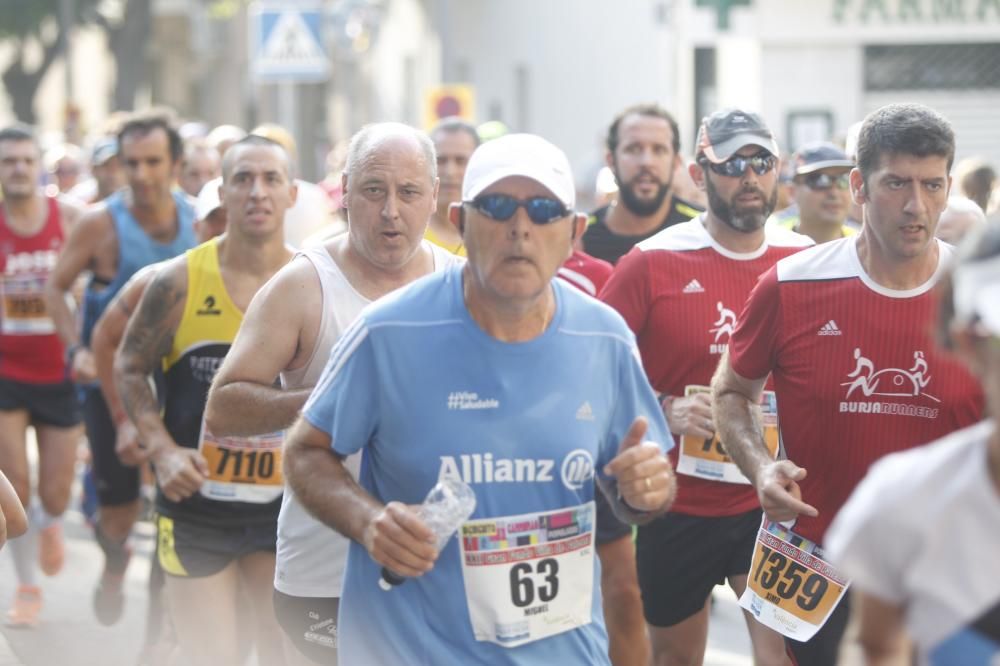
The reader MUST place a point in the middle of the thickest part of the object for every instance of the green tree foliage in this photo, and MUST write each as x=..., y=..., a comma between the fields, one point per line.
x=23, y=22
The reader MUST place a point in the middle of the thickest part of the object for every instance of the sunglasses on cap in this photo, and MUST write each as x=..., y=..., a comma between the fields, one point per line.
x=824, y=181
x=501, y=207
x=737, y=165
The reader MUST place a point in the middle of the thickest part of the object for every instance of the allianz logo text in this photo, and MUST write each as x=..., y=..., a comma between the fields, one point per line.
x=577, y=469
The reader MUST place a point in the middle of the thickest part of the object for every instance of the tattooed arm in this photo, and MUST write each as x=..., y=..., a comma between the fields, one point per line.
x=179, y=471
x=104, y=340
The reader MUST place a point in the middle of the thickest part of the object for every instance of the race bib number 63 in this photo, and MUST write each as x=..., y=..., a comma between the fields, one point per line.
x=529, y=576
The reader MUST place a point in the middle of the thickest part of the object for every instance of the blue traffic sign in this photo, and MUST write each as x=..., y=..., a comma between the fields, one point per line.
x=287, y=43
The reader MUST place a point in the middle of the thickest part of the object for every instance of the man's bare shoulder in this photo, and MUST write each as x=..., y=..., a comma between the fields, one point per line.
x=159, y=312
x=292, y=289
x=139, y=281
x=144, y=275
x=171, y=269
x=278, y=325
x=70, y=209
x=94, y=220
x=87, y=244
x=169, y=281
x=336, y=247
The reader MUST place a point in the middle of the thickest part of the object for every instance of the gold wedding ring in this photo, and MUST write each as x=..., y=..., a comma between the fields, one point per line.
x=649, y=485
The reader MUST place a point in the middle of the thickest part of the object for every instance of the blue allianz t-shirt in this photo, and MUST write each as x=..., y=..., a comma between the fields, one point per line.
x=426, y=393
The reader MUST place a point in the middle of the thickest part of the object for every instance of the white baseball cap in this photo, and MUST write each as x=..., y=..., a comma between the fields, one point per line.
x=977, y=293
x=208, y=199
x=520, y=155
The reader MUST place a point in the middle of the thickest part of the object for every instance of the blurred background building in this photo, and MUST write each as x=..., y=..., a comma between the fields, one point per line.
x=561, y=68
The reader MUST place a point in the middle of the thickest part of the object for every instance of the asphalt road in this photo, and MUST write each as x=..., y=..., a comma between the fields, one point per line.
x=70, y=634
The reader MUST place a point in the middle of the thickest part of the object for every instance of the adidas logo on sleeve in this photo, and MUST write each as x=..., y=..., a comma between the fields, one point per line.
x=585, y=413
x=830, y=328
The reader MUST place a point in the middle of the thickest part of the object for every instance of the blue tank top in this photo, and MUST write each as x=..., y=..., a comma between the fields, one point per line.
x=135, y=250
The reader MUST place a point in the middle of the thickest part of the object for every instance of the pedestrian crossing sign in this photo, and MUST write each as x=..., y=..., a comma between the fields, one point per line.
x=287, y=43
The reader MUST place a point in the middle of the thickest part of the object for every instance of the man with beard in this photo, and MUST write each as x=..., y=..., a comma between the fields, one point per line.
x=643, y=144
x=642, y=150
x=679, y=291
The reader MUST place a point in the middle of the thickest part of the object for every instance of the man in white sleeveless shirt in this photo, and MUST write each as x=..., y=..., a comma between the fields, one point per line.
x=390, y=187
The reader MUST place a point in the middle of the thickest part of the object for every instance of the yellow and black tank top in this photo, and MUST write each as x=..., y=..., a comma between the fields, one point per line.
x=245, y=481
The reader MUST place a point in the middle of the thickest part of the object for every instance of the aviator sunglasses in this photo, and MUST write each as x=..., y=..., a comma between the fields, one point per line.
x=824, y=181
x=737, y=165
x=501, y=207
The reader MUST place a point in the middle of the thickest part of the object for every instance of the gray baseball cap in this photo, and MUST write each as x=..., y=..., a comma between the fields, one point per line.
x=727, y=130
x=821, y=155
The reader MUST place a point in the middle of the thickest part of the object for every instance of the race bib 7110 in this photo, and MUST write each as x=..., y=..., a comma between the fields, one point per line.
x=242, y=469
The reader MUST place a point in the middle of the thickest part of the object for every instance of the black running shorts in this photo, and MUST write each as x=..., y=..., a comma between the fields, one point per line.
x=53, y=405
x=189, y=550
x=680, y=558
x=310, y=623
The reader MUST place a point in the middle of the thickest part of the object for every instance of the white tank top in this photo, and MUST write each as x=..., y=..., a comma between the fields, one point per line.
x=311, y=557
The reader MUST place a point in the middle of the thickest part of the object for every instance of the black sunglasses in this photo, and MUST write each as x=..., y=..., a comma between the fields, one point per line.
x=824, y=181
x=501, y=207
x=737, y=165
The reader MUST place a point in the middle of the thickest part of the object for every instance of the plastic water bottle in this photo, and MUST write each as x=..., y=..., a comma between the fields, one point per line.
x=446, y=507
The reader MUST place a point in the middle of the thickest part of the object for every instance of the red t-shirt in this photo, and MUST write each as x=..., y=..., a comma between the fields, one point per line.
x=855, y=366
x=679, y=291
x=30, y=350
x=586, y=273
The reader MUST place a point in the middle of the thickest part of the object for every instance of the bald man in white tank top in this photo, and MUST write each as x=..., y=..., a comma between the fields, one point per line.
x=289, y=329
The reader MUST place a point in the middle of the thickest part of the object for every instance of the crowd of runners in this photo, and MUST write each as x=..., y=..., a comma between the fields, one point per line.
x=725, y=373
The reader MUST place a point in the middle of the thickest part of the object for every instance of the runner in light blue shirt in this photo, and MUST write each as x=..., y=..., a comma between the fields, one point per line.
x=525, y=389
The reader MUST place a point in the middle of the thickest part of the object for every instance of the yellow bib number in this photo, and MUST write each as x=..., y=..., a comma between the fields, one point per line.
x=242, y=469
x=791, y=588
x=707, y=459
x=235, y=465
x=24, y=310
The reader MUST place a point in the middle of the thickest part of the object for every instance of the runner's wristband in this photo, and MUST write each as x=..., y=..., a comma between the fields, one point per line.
x=631, y=509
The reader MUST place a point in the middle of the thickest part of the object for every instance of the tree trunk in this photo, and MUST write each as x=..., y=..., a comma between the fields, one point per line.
x=129, y=43
x=22, y=85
